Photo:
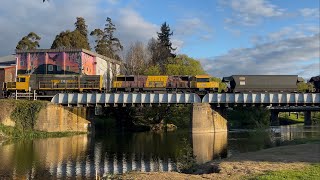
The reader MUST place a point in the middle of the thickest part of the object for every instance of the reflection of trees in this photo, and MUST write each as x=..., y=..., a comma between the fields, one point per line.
x=30, y=158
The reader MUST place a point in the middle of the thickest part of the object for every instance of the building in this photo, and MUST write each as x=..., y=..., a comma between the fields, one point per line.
x=7, y=70
x=67, y=61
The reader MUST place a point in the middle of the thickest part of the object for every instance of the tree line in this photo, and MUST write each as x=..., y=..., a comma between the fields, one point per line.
x=156, y=57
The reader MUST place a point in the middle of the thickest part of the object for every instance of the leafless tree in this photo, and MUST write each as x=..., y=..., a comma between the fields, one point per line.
x=136, y=58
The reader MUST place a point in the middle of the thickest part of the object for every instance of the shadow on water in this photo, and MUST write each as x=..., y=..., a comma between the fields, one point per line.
x=83, y=156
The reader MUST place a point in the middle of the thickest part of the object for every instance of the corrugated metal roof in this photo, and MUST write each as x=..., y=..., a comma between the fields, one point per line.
x=69, y=50
x=8, y=59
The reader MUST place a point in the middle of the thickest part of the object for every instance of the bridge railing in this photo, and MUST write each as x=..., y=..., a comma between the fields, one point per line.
x=262, y=99
x=125, y=98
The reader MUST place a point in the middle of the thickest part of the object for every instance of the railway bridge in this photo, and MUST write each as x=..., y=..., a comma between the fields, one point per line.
x=204, y=119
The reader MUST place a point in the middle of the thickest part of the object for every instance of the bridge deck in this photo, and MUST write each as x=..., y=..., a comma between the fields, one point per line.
x=265, y=99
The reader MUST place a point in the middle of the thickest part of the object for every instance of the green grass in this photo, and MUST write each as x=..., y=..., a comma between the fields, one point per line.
x=309, y=173
x=285, y=118
x=14, y=133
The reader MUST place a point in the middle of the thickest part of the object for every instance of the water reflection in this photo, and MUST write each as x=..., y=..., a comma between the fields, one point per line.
x=208, y=146
x=85, y=157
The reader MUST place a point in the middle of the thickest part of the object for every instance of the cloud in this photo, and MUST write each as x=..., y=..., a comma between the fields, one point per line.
x=288, y=56
x=310, y=12
x=251, y=12
x=295, y=31
x=19, y=17
x=192, y=26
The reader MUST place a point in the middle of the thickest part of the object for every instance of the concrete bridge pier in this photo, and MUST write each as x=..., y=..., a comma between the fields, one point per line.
x=274, y=118
x=206, y=120
x=307, y=118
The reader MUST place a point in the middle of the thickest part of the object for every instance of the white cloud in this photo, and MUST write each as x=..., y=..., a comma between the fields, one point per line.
x=310, y=12
x=295, y=31
x=251, y=12
x=287, y=56
x=192, y=26
x=19, y=17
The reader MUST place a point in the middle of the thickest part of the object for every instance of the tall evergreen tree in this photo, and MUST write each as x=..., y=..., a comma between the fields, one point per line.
x=106, y=43
x=164, y=47
x=31, y=41
x=73, y=39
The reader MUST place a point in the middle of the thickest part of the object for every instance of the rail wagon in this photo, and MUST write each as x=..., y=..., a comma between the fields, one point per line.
x=53, y=84
x=136, y=83
x=262, y=83
x=316, y=83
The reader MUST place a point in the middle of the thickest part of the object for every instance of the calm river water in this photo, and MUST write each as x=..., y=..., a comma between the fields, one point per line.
x=83, y=156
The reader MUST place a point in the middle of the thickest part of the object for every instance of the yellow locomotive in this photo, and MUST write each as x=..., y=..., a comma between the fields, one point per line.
x=198, y=83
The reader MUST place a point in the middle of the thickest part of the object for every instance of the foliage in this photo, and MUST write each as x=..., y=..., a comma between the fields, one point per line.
x=106, y=43
x=161, y=49
x=222, y=85
x=186, y=161
x=305, y=87
x=14, y=132
x=152, y=70
x=31, y=41
x=73, y=39
x=308, y=173
x=179, y=116
x=25, y=114
x=249, y=117
x=183, y=65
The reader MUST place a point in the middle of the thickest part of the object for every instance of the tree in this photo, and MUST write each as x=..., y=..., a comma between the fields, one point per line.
x=164, y=47
x=31, y=41
x=136, y=59
x=73, y=39
x=106, y=43
x=183, y=65
x=67, y=39
x=82, y=27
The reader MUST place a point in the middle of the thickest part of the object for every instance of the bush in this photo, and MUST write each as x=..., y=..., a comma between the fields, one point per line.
x=25, y=114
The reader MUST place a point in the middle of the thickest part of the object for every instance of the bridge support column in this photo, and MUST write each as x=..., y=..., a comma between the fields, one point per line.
x=307, y=118
x=274, y=118
x=205, y=120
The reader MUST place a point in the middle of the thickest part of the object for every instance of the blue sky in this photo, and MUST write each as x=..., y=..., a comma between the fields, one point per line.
x=227, y=36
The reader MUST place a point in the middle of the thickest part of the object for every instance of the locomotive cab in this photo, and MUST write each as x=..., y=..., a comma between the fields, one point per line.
x=21, y=84
x=203, y=82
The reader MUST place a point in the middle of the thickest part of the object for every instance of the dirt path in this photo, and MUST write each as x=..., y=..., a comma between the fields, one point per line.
x=244, y=164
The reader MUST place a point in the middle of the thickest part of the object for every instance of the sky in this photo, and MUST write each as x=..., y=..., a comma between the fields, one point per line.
x=227, y=36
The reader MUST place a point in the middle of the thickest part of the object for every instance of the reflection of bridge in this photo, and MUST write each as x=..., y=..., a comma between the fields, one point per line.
x=113, y=164
x=225, y=99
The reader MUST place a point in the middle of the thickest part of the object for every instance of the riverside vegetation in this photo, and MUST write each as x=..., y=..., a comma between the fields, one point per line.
x=24, y=113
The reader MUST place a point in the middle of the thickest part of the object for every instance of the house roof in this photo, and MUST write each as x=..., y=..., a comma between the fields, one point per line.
x=8, y=60
x=70, y=50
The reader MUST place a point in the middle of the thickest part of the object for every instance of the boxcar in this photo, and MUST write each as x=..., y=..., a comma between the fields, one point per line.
x=262, y=83
x=316, y=83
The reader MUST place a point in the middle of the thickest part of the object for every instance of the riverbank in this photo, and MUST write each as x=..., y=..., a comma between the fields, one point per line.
x=248, y=165
x=11, y=133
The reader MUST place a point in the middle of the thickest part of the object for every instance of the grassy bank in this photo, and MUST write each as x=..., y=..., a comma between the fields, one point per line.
x=311, y=173
x=15, y=133
x=293, y=118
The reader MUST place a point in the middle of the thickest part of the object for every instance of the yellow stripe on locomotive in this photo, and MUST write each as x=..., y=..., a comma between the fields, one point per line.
x=156, y=81
x=203, y=82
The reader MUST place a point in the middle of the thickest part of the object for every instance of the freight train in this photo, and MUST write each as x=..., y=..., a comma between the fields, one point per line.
x=200, y=84
x=53, y=84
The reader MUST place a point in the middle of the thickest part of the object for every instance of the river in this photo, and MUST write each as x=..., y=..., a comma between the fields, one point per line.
x=84, y=156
